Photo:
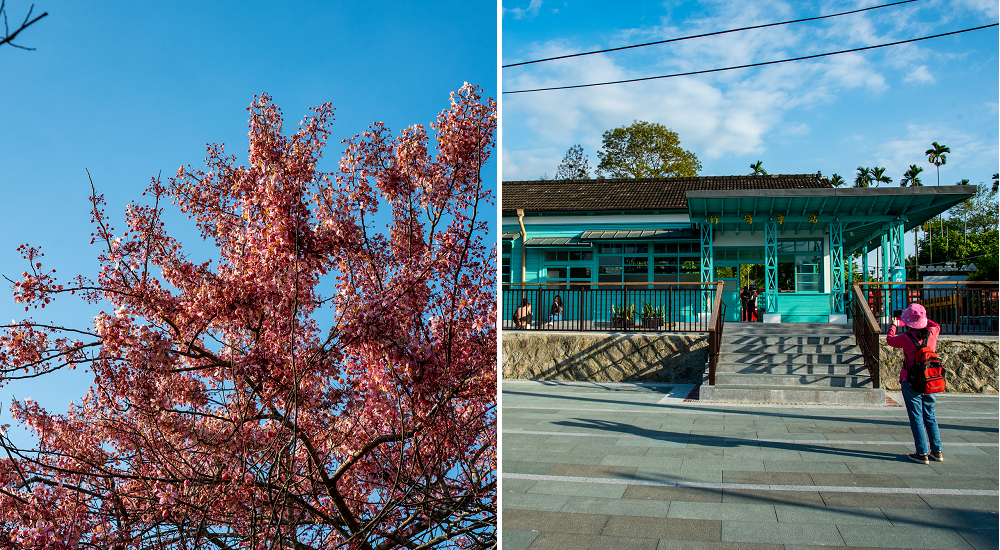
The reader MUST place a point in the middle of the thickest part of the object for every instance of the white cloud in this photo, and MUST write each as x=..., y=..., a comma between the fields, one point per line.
x=530, y=11
x=919, y=74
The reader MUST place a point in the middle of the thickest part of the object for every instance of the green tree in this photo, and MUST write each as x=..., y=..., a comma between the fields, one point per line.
x=996, y=182
x=878, y=176
x=645, y=150
x=910, y=177
x=969, y=236
x=574, y=166
x=936, y=156
x=864, y=177
x=758, y=170
x=836, y=180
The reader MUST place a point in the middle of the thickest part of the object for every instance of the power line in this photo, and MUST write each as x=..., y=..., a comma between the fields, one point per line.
x=704, y=35
x=706, y=71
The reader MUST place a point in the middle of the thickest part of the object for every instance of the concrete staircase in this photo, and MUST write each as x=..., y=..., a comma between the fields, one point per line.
x=815, y=363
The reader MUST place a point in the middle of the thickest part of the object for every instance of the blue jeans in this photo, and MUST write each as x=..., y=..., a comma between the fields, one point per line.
x=555, y=318
x=920, y=409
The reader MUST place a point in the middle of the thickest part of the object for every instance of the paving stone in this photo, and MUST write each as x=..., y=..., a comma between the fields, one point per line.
x=950, y=482
x=768, y=478
x=946, y=517
x=876, y=500
x=577, y=489
x=981, y=539
x=517, y=540
x=660, y=462
x=681, y=494
x=830, y=515
x=808, y=467
x=522, y=467
x=800, y=498
x=667, y=544
x=522, y=501
x=724, y=465
x=556, y=522
x=682, y=529
x=907, y=537
x=616, y=506
x=676, y=476
x=963, y=502
x=857, y=480
x=720, y=511
x=562, y=541
x=784, y=533
x=579, y=470
x=516, y=485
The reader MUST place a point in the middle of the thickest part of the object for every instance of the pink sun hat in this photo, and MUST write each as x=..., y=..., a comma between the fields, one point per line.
x=914, y=316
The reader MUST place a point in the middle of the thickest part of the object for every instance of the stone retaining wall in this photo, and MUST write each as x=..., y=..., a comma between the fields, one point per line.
x=970, y=365
x=599, y=357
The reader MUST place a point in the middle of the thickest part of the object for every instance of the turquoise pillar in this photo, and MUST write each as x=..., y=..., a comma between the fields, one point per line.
x=884, y=249
x=771, y=267
x=837, y=266
x=896, y=250
x=707, y=265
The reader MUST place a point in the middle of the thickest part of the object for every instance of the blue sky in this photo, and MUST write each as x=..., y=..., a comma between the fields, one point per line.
x=127, y=89
x=877, y=108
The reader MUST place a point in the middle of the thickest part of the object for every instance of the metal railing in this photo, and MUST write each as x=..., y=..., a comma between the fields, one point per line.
x=866, y=334
x=612, y=307
x=963, y=307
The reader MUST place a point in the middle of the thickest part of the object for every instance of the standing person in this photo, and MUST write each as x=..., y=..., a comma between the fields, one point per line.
x=745, y=304
x=919, y=406
x=522, y=316
x=754, y=315
x=555, y=312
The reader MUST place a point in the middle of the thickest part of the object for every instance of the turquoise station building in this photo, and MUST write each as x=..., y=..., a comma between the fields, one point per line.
x=790, y=235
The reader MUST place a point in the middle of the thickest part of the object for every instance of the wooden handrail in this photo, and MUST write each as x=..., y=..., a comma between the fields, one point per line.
x=866, y=335
x=715, y=333
x=868, y=315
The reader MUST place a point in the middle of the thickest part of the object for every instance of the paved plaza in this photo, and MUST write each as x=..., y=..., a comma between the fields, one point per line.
x=638, y=466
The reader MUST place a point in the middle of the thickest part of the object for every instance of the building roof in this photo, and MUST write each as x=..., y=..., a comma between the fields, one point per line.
x=637, y=194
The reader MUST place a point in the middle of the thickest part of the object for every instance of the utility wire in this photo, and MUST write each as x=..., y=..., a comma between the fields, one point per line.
x=704, y=35
x=751, y=64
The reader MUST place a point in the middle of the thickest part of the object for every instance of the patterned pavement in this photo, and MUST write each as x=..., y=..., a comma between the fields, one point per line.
x=602, y=466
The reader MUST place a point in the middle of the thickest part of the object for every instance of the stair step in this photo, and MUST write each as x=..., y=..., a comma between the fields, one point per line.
x=826, y=369
x=786, y=394
x=805, y=381
x=796, y=358
x=818, y=349
x=798, y=329
x=787, y=340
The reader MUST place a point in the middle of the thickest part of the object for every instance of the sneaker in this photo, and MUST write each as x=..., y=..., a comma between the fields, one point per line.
x=918, y=458
x=937, y=456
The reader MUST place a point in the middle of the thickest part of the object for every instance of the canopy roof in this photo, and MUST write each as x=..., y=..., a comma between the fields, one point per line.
x=864, y=212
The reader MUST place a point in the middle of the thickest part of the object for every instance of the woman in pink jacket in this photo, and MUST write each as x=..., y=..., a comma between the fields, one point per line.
x=919, y=406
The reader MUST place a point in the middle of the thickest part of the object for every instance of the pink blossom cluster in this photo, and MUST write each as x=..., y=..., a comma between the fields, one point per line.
x=236, y=406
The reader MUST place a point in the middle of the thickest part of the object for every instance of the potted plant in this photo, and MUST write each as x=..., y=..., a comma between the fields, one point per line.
x=652, y=317
x=622, y=317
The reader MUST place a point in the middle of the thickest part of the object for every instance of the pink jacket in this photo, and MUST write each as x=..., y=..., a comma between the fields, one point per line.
x=909, y=349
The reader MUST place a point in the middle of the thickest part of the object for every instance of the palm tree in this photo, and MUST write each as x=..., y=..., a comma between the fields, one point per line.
x=877, y=175
x=910, y=177
x=836, y=180
x=864, y=177
x=936, y=157
x=758, y=170
x=996, y=181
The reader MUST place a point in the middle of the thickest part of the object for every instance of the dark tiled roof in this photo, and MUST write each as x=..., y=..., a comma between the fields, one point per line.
x=637, y=194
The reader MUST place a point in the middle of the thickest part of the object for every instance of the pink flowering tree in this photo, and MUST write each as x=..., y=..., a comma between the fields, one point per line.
x=234, y=404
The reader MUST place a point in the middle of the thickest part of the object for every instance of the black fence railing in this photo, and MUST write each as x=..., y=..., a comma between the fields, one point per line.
x=964, y=307
x=609, y=307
